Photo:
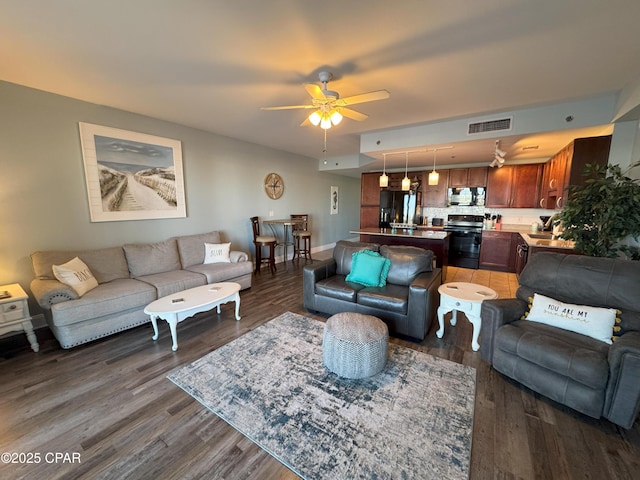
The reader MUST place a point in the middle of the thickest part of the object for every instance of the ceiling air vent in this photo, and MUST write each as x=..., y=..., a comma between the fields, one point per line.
x=490, y=126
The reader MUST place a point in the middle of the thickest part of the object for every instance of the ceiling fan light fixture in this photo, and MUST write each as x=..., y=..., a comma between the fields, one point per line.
x=336, y=117
x=315, y=118
x=325, y=123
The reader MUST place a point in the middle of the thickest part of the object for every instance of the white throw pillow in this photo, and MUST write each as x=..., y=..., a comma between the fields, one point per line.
x=77, y=275
x=594, y=322
x=217, y=252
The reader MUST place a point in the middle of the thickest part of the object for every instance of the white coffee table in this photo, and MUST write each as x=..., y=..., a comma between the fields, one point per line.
x=179, y=306
x=463, y=297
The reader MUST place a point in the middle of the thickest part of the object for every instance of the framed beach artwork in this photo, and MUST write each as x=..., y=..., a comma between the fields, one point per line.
x=130, y=175
x=335, y=197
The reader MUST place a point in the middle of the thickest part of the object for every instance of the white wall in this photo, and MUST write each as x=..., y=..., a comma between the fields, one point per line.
x=43, y=200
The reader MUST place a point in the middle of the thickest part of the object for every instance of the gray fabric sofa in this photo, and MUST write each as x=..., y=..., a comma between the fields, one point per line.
x=407, y=303
x=129, y=278
x=590, y=376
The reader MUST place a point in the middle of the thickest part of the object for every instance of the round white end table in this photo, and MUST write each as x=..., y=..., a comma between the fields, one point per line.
x=467, y=298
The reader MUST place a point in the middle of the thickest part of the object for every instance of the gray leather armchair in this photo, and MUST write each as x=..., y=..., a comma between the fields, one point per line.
x=590, y=376
x=407, y=303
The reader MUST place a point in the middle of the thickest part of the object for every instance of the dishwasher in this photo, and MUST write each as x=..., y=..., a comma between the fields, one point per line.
x=522, y=254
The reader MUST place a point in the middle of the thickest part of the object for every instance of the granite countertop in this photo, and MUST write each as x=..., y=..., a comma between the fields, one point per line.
x=397, y=232
x=546, y=243
x=532, y=241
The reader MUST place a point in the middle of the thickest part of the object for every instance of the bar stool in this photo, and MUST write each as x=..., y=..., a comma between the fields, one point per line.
x=301, y=236
x=261, y=241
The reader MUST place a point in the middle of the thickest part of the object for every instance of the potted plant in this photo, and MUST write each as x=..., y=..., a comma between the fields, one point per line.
x=602, y=216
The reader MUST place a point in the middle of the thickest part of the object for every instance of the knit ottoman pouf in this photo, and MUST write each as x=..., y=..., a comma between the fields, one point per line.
x=354, y=345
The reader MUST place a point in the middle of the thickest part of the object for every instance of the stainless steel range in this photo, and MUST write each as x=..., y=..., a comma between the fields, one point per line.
x=465, y=240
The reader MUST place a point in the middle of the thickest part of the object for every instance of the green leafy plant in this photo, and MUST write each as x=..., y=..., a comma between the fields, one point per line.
x=602, y=215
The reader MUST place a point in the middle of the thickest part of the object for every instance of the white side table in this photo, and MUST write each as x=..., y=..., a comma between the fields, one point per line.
x=464, y=297
x=14, y=313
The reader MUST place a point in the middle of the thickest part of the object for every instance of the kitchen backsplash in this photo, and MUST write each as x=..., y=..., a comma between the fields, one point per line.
x=512, y=216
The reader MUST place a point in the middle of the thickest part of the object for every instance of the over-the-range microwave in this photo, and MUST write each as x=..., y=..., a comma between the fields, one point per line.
x=466, y=196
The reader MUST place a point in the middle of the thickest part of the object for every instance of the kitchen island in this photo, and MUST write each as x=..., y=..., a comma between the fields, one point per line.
x=436, y=241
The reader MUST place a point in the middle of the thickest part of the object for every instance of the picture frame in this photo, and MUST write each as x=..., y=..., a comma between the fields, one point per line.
x=131, y=175
x=334, y=200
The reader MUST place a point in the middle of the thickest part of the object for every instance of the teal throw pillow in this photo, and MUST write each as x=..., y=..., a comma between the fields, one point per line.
x=369, y=268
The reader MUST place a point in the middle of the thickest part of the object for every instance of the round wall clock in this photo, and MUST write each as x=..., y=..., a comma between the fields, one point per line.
x=273, y=185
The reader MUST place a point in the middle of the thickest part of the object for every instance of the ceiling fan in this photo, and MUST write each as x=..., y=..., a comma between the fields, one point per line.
x=328, y=107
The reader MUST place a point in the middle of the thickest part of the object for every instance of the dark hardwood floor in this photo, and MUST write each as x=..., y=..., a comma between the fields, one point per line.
x=109, y=403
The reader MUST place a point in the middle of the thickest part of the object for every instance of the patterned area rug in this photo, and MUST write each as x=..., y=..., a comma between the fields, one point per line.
x=412, y=420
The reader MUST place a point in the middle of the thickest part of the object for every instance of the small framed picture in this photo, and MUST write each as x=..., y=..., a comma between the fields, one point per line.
x=335, y=200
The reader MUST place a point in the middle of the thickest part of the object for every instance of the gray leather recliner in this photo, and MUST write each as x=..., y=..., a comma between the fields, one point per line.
x=407, y=303
x=590, y=376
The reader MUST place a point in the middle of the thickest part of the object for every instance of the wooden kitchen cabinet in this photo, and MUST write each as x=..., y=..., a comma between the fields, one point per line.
x=468, y=177
x=370, y=189
x=514, y=186
x=370, y=217
x=497, y=251
x=525, y=191
x=435, y=195
x=566, y=168
x=499, y=185
x=369, y=200
x=395, y=181
x=478, y=176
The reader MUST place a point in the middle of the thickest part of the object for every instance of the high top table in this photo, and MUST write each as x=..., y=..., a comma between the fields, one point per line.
x=179, y=306
x=287, y=232
x=467, y=298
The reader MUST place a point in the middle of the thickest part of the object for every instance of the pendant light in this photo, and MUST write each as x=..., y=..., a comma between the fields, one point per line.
x=434, y=176
x=406, y=182
x=384, y=178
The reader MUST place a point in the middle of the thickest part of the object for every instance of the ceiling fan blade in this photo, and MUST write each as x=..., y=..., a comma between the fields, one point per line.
x=306, y=122
x=315, y=91
x=288, y=107
x=363, y=97
x=352, y=114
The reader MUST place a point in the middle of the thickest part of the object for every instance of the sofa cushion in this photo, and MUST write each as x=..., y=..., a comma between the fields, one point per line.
x=392, y=298
x=108, y=299
x=106, y=264
x=77, y=275
x=343, y=254
x=578, y=357
x=406, y=263
x=337, y=287
x=222, y=272
x=174, y=281
x=369, y=268
x=593, y=322
x=151, y=258
x=191, y=247
x=217, y=252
